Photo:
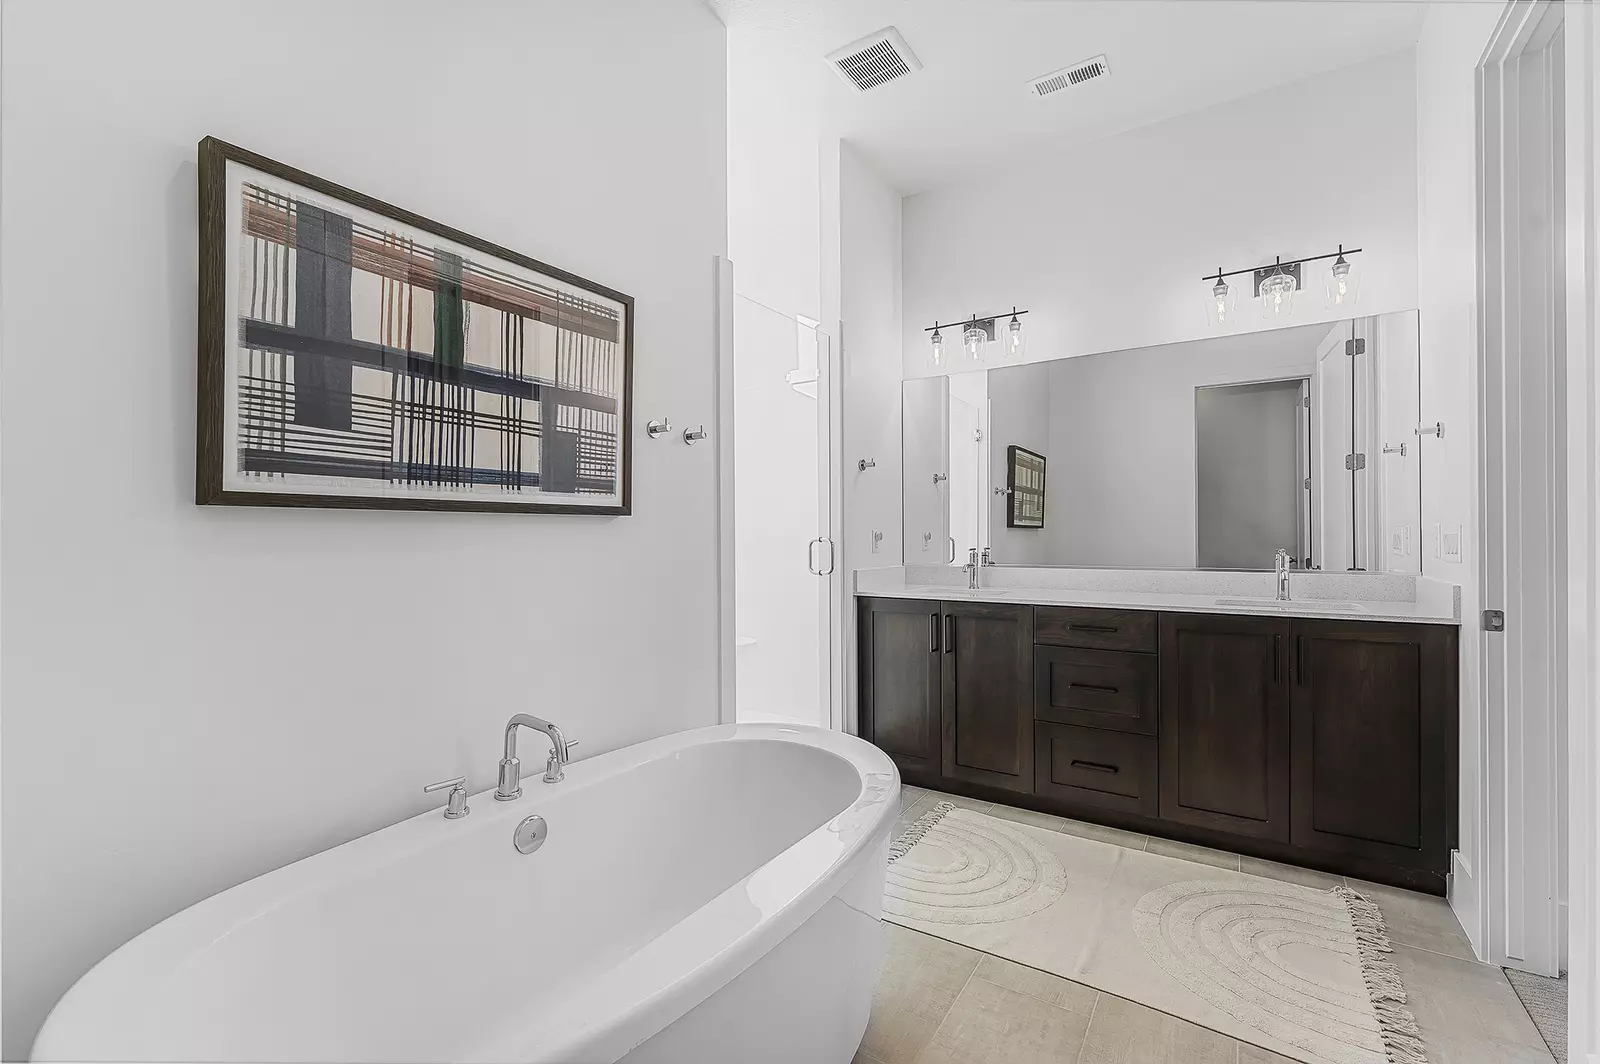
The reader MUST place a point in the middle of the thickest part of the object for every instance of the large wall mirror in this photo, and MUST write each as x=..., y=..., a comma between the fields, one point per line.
x=1208, y=454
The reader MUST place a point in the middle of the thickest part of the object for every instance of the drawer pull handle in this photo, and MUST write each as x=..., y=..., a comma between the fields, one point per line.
x=1092, y=687
x=1095, y=766
x=1103, y=629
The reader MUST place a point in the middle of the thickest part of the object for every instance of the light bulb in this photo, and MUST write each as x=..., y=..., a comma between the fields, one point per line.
x=1220, y=294
x=1015, y=340
x=1277, y=294
x=1341, y=281
x=974, y=339
x=938, y=347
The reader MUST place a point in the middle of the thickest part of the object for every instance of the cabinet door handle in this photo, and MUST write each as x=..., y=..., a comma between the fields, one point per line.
x=1095, y=766
x=935, y=619
x=1300, y=660
x=1092, y=687
x=1101, y=628
x=949, y=632
x=1277, y=659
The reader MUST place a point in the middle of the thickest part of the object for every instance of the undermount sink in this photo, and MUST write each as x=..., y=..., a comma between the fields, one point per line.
x=967, y=592
x=1295, y=604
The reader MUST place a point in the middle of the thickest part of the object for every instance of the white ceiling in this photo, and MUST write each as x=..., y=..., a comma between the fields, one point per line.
x=971, y=99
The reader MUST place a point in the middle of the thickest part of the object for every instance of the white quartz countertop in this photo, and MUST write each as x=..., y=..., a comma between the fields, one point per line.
x=1432, y=611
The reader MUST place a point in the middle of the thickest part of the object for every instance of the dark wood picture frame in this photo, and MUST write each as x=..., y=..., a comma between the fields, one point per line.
x=1016, y=493
x=215, y=347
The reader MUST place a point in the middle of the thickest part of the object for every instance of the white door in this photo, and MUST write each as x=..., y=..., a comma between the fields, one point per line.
x=784, y=560
x=966, y=438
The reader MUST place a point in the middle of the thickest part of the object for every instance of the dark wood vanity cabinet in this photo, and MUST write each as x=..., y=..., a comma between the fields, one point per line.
x=1225, y=723
x=1330, y=743
x=947, y=690
x=987, y=707
x=1373, y=725
x=899, y=666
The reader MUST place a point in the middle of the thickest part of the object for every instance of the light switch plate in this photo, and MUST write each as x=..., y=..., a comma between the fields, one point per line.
x=1450, y=543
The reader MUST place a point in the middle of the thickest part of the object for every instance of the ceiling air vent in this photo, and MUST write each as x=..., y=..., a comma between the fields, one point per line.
x=875, y=60
x=1067, y=77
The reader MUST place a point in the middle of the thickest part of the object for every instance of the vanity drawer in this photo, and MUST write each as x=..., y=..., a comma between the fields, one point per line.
x=1078, y=626
x=1088, y=766
x=1095, y=688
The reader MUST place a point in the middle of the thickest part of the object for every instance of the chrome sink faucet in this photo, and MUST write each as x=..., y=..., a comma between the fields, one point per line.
x=1281, y=564
x=971, y=569
x=511, y=769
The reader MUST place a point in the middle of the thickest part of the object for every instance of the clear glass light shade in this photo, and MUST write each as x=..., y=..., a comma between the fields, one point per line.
x=974, y=340
x=1221, y=304
x=1016, y=340
x=1277, y=295
x=938, y=349
x=1343, y=283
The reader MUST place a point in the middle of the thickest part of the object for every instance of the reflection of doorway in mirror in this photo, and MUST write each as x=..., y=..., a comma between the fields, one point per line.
x=1252, y=473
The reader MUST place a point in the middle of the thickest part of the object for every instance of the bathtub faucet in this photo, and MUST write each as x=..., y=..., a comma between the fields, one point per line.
x=511, y=769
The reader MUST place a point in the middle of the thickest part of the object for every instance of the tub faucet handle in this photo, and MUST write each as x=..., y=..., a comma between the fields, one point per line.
x=456, y=807
x=559, y=756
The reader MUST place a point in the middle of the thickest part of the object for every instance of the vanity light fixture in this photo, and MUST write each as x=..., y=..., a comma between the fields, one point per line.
x=1220, y=303
x=1275, y=285
x=977, y=333
x=975, y=337
x=1343, y=282
x=1016, y=339
x=1277, y=293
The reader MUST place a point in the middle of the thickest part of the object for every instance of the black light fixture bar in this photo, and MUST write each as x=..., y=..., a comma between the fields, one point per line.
x=982, y=319
x=1219, y=275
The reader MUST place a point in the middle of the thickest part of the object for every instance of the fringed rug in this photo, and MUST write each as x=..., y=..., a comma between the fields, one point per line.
x=1302, y=972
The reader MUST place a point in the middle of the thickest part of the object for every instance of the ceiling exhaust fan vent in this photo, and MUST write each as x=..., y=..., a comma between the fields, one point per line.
x=1067, y=77
x=875, y=60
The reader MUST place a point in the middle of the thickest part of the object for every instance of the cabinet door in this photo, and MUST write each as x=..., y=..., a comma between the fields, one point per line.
x=1374, y=742
x=988, y=694
x=1224, y=723
x=900, y=683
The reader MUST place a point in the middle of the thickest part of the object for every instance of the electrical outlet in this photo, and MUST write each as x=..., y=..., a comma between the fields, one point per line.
x=927, y=542
x=877, y=540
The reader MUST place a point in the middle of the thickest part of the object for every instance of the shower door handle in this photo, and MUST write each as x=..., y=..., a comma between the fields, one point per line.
x=811, y=556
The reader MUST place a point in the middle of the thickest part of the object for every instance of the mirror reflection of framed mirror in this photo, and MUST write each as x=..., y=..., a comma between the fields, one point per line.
x=1206, y=454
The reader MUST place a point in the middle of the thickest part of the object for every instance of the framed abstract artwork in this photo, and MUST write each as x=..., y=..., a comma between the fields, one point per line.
x=1025, y=481
x=353, y=354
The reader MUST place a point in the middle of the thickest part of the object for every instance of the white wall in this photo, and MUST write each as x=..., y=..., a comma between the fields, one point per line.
x=1105, y=244
x=869, y=271
x=1448, y=50
x=1120, y=484
x=195, y=696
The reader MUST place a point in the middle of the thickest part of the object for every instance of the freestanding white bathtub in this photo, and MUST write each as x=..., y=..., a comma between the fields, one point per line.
x=704, y=897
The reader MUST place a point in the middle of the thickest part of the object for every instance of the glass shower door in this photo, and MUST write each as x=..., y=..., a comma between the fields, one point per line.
x=784, y=560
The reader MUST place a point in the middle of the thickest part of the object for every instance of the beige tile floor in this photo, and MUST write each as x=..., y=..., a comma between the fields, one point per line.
x=940, y=1002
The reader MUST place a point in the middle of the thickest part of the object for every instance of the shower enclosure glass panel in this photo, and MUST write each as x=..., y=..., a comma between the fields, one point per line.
x=783, y=559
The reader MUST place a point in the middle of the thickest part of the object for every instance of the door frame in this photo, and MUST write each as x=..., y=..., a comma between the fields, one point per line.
x=1583, y=531
x=722, y=440
x=1520, y=478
